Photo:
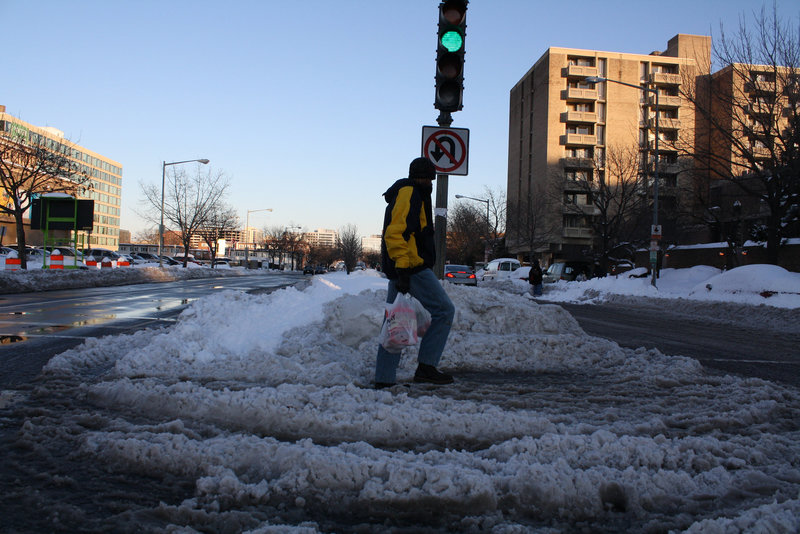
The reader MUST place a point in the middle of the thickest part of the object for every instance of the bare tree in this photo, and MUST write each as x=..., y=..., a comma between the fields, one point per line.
x=321, y=255
x=221, y=221
x=149, y=235
x=189, y=201
x=349, y=245
x=467, y=233
x=31, y=165
x=749, y=133
x=611, y=199
x=531, y=220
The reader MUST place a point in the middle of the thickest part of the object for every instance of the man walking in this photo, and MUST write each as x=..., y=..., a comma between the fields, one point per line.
x=408, y=253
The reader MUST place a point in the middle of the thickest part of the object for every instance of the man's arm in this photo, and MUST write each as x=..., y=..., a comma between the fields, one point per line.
x=396, y=232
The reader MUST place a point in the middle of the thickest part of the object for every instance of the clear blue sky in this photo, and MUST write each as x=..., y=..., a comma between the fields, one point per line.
x=313, y=108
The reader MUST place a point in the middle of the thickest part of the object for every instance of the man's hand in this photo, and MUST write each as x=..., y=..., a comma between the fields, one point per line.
x=403, y=283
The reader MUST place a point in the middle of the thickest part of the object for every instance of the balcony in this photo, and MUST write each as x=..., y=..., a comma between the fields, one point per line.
x=578, y=139
x=754, y=86
x=580, y=233
x=578, y=71
x=664, y=123
x=577, y=163
x=664, y=145
x=583, y=209
x=668, y=168
x=759, y=108
x=665, y=101
x=579, y=116
x=664, y=78
x=761, y=152
x=581, y=95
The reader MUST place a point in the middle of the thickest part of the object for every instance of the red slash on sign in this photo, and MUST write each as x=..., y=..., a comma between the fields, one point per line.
x=447, y=148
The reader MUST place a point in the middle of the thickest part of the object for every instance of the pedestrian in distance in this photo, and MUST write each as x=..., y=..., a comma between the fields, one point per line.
x=535, y=278
x=408, y=254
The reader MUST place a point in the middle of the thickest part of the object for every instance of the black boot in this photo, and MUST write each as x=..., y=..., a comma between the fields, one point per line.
x=428, y=373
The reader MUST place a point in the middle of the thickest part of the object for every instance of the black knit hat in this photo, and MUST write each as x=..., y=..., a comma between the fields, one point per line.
x=422, y=168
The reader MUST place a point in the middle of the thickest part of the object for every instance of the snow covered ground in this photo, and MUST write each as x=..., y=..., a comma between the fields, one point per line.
x=262, y=403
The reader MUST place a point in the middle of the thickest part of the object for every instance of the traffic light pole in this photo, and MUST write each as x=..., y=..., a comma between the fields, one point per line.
x=445, y=119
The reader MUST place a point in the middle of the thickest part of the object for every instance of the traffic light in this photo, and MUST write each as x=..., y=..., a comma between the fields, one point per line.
x=450, y=55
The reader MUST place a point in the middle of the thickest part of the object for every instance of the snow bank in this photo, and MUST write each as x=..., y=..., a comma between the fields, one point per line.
x=264, y=402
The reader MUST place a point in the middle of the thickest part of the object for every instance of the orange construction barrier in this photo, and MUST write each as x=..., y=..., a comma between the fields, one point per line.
x=13, y=264
x=91, y=263
x=57, y=261
x=123, y=263
x=106, y=263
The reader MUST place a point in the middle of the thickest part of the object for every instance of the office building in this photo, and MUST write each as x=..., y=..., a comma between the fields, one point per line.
x=104, y=186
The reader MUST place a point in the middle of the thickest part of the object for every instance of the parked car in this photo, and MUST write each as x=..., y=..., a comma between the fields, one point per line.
x=568, y=270
x=620, y=267
x=320, y=269
x=100, y=254
x=500, y=269
x=148, y=256
x=460, y=274
x=167, y=260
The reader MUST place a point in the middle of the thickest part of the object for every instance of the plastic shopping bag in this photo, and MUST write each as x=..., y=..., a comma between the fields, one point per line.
x=399, y=325
x=423, y=317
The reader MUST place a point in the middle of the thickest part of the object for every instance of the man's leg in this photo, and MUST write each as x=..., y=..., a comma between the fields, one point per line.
x=387, y=362
x=428, y=290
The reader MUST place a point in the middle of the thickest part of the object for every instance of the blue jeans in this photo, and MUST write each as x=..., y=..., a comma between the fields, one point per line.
x=428, y=290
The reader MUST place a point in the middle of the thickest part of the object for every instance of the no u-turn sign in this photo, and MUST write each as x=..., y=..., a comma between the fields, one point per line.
x=447, y=148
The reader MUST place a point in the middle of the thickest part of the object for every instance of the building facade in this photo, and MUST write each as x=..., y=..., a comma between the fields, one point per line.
x=321, y=237
x=564, y=130
x=104, y=187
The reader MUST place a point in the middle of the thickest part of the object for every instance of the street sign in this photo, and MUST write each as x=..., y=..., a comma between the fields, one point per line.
x=447, y=148
x=655, y=231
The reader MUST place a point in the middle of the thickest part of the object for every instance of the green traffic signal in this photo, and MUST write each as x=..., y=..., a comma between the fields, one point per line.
x=452, y=41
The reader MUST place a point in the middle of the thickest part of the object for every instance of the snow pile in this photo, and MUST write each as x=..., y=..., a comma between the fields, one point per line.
x=263, y=401
x=750, y=284
x=46, y=279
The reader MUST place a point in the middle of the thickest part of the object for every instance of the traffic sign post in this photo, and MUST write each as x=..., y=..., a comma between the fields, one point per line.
x=447, y=148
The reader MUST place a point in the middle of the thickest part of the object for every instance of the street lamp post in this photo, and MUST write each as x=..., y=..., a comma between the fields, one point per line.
x=161, y=226
x=486, y=249
x=247, y=243
x=655, y=231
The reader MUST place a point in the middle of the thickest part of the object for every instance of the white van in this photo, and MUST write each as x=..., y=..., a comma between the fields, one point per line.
x=500, y=269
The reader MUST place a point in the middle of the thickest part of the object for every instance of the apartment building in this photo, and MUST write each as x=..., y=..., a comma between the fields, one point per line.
x=321, y=238
x=562, y=129
x=105, y=186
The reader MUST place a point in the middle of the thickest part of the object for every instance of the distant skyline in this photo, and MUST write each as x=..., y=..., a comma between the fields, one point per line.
x=311, y=108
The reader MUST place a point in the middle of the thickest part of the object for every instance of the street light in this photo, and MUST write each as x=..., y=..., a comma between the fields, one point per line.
x=485, y=250
x=161, y=226
x=655, y=231
x=247, y=245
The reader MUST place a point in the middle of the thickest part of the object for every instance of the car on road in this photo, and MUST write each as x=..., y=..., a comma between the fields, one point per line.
x=500, y=269
x=308, y=269
x=460, y=274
